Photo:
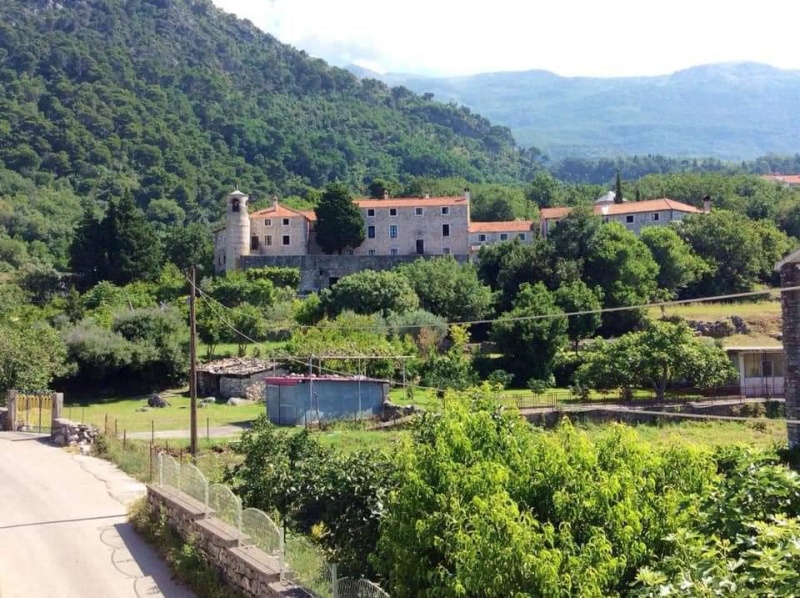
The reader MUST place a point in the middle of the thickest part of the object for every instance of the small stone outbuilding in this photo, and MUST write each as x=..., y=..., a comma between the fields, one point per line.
x=236, y=377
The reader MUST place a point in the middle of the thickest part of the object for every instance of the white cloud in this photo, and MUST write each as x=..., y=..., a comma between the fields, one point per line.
x=570, y=37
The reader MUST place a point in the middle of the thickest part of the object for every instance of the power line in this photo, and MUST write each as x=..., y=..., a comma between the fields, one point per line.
x=603, y=310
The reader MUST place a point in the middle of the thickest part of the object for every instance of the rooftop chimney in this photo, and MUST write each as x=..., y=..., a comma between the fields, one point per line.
x=274, y=202
x=427, y=194
x=385, y=194
x=706, y=204
x=466, y=193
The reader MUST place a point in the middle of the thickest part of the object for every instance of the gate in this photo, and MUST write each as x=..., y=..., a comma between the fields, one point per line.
x=33, y=411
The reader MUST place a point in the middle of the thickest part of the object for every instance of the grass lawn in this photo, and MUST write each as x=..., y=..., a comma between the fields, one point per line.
x=223, y=350
x=123, y=412
x=759, y=434
x=716, y=311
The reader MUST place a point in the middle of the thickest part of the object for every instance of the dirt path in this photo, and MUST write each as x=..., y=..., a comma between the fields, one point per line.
x=64, y=529
x=202, y=432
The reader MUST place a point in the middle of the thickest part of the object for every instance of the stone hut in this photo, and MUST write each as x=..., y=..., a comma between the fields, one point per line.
x=236, y=377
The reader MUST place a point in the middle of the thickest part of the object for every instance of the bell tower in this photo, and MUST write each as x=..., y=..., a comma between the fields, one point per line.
x=237, y=230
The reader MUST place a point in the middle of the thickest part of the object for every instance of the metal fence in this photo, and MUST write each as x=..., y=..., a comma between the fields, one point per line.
x=298, y=559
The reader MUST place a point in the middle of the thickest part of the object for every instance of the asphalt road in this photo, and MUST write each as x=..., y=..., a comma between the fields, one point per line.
x=64, y=529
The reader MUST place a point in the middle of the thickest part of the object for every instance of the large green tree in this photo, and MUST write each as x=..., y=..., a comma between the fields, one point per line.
x=30, y=355
x=370, y=292
x=623, y=267
x=574, y=297
x=191, y=245
x=133, y=251
x=340, y=224
x=661, y=354
x=531, y=333
x=449, y=289
x=678, y=265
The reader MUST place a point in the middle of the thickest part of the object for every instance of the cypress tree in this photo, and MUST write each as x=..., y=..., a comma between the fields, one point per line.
x=618, y=189
x=87, y=253
x=134, y=252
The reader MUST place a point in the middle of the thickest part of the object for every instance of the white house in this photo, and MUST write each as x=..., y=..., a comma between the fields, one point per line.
x=761, y=370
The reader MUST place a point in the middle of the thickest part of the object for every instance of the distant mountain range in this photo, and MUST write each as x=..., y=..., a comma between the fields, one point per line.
x=733, y=111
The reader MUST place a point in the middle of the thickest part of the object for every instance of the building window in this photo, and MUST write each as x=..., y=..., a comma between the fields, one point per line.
x=370, y=232
x=445, y=210
x=285, y=222
x=418, y=211
x=629, y=219
x=446, y=251
x=349, y=252
x=393, y=231
x=268, y=222
x=286, y=240
x=481, y=238
x=521, y=236
x=268, y=240
x=654, y=217
x=371, y=252
x=445, y=230
x=503, y=237
x=253, y=243
x=393, y=251
x=392, y=211
x=371, y=212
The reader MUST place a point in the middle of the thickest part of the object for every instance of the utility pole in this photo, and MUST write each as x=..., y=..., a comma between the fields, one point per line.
x=193, y=367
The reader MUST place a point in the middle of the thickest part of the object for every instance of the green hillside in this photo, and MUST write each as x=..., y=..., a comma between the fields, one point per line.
x=728, y=111
x=181, y=102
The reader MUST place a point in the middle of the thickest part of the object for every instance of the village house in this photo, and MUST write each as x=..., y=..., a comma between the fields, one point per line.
x=633, y=215
x=789, y=180
x=488, y=233
x=761, y=370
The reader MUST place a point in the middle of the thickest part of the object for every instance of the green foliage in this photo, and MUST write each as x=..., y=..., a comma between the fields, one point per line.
x=531, y=333
x=313, y=487
x=370, y=292
x=623, y=267
x=661, y=354
x=279, y=276
x=484, y=506
x=678, y=265
x=453, y=369
x=575, y=297
x=31, y=356
x=236, y=288
x=500, y=378
x=448, y=289
x=190, y=245
x=340, y=224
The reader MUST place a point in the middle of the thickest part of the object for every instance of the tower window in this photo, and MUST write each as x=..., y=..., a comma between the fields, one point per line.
x=234, y=205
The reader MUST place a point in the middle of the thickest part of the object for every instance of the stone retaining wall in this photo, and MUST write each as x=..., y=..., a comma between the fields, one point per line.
x=68, y=433
x=246, y=568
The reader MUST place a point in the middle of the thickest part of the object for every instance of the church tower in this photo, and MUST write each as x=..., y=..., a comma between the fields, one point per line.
x=237, y=230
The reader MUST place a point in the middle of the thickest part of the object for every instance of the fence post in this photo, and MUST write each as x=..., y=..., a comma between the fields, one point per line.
x=161, y=469
x=334, y=581
x=281, y=551
x=11, y=417
x=58, y=408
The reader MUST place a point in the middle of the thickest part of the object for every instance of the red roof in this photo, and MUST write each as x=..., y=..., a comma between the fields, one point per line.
x=509, y=226
x=787, y=179
x=629, y=207
x=278, y=211
x=411, y=202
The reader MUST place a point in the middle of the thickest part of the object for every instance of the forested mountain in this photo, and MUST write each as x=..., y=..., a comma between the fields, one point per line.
x=728, y=111
x=176, y=100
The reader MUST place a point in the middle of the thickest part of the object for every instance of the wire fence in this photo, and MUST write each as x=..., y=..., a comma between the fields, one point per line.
x=299, y=560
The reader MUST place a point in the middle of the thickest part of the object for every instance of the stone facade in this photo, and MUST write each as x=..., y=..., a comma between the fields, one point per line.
x=320, y=271
x=246, y=568
x=790, y=308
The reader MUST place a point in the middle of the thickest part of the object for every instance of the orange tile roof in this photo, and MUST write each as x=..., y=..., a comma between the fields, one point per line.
x=628, y=207
x=309, y=214
x=509, y=226
x=411, y=202
x=280, y=212
x=788, y=179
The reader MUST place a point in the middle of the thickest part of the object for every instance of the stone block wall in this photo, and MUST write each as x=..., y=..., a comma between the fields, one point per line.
x=68, y=433
x=790, y=308
x=246, y=568
x=316, y=271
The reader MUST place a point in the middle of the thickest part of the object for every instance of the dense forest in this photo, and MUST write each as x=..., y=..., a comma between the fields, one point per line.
x=180, y=102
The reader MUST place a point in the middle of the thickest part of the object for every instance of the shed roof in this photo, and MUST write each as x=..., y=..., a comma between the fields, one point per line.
x=236, y=366
x=292, y=380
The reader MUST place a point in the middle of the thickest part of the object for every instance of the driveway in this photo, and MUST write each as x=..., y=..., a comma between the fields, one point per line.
x=64, y=529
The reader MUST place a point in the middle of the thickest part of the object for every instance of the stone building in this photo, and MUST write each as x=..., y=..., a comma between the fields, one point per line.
x=235, y=377
x=488, y=233
x=633, y=215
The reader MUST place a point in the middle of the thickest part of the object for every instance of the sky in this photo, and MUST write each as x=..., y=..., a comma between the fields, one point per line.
x=602, y=38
